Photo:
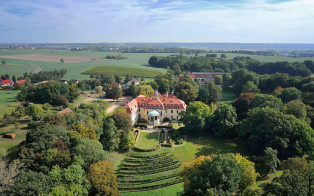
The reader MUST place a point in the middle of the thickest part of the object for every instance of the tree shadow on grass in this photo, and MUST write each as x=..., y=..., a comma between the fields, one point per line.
x=213, y=145
x=152, y=136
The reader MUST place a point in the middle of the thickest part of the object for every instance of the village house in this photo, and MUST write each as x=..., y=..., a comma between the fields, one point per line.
x=155, y=109
x=205, y=77
x=8, y=82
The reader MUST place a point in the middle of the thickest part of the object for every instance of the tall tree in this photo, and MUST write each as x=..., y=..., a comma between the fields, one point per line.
x=110, y=137
x=196, y=117
x=270, y=159
x=185, y=91
x=103, y=178
x=224, y=121
x=210, y=93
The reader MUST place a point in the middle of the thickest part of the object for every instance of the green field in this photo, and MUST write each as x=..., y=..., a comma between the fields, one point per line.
x=147, y=140
x=18, y=67
x=122, y=71
x=7, y=101
x=134, y=60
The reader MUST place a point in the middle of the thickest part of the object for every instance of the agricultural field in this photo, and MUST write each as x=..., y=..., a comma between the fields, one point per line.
x=122, y=71
x=52, y=58
x=147, y=140
x=74, y=70
x=134, y=60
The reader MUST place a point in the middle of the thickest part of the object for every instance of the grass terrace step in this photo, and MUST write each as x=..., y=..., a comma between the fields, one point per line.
x=148, y=155
x=149, y=186
x=148, y=163
x=148, y=180
x=148, y=158
x=150, y=176
x=149, y=167
x=153, y=171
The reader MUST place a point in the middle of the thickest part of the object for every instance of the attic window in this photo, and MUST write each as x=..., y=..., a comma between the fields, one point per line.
x=178, y=106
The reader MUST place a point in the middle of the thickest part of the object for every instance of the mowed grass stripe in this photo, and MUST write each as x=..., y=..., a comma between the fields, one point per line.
x=122, y=71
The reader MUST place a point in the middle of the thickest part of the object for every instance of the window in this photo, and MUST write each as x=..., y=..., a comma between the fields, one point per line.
x=177, y=111
x=178, y=106
x=171, y=112
x=154, y=106
x=139, y=109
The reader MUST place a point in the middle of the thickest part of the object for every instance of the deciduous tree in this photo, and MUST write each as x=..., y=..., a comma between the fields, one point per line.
x=103, y=178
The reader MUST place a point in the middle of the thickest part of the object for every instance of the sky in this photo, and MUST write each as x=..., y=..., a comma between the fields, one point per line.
x=120, y=21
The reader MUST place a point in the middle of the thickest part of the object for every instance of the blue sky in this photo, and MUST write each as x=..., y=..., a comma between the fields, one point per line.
x=68, y=21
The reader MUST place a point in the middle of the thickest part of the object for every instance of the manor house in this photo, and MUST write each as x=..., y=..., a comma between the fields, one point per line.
x=156, y=108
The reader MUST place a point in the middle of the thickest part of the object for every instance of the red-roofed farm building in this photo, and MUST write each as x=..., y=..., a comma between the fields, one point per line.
x=156, y=108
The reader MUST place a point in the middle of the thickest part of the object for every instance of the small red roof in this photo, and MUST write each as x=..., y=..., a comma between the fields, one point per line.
x=9, y=81
x=20, y=81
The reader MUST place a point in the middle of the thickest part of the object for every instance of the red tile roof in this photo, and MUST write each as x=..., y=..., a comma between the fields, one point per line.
x=162, y=102
x=20, y=81
x=9, y=81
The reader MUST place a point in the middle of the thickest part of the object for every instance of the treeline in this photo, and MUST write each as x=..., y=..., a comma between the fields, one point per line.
x=293, y=69
x=252, y=52
x=55, y=93
x=45, y=75
x=116, y=57
x=198, y=63
x=161, y=50
x=209, y=64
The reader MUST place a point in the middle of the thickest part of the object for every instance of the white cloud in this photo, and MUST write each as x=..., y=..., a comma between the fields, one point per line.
x=158, y=21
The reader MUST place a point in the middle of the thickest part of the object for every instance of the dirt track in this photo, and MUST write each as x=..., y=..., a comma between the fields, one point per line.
x=52, y=58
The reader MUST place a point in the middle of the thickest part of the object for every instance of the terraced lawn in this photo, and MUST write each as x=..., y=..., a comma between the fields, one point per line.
x=147, y=171
x=147, y=140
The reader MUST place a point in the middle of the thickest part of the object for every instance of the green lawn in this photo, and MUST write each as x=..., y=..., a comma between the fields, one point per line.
x=170, y=190
x=7, y=101
x=147, y=140
x=228, y=97
x=207, y=145
x=116, y=158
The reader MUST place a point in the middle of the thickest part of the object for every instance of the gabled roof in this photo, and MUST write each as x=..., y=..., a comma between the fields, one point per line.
x=20, y=81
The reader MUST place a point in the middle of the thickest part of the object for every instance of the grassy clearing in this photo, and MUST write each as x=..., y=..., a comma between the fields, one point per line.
x=122, y=71
x=170, y=190
x=228, y=97
x=7, y=101
x=207, y=145
x=147, y=140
